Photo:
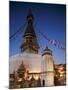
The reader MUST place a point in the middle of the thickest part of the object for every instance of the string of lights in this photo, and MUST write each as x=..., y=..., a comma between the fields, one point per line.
x=17, y=32
x=55, y=43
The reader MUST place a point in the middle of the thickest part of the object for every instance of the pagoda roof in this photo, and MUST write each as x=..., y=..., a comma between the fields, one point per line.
x=29, y=31
x=30, y=28
x=47, y=51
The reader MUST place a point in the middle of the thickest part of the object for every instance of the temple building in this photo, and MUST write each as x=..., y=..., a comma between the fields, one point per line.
x=47, y=67
x=38, y=70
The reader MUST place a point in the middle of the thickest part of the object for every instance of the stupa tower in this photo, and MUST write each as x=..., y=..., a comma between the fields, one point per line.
x=47, y=68
x=29, y=43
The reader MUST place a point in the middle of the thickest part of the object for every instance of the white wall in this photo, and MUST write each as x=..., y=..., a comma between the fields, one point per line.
x=48, y=68
x=31, y=61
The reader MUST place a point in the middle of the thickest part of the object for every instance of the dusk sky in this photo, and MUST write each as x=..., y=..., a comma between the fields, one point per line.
x=50, y=19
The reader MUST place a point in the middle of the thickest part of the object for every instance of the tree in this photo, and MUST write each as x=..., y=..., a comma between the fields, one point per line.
x=21, y=71
x=39, y=82
x=33, y=82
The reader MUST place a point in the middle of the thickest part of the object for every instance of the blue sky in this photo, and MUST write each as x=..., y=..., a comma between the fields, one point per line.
x=50, y=19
